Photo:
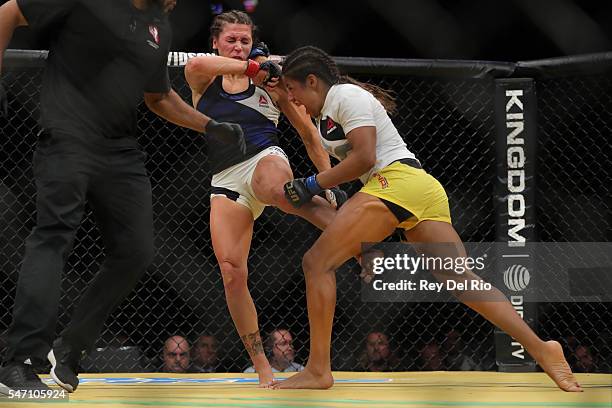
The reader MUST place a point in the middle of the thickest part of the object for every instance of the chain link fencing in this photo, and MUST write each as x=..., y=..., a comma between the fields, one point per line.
x=447, y=121
x=574, y=202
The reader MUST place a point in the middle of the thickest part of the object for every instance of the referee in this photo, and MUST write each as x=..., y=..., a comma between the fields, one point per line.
x=103, y=56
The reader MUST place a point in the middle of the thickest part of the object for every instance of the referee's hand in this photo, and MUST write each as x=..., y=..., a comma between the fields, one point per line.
x=3, y=102
x=227, y=133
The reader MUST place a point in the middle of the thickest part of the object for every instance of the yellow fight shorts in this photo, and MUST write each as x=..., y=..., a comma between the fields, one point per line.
x=412, y=189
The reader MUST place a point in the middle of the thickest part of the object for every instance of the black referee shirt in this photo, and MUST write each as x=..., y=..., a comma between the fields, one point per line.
x=103, y=55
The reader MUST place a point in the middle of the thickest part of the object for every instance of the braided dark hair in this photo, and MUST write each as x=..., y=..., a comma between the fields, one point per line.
x=232, y=17
x=312, y=60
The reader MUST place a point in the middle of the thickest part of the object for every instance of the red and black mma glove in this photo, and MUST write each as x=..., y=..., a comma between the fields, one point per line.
x=3, y=102
x=259, y=49
x=301, y=190
x=226, y=133
x=273, y=69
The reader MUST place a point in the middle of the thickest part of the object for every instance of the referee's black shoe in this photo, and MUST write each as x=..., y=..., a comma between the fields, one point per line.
x=16, y=376
x=64, y=366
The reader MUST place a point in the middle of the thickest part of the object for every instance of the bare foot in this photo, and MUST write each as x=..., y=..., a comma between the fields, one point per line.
x=553, y=362
x=306, y=380
x=266, y=378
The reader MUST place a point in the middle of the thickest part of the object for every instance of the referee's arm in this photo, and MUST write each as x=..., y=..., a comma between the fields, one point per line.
x=173, y=108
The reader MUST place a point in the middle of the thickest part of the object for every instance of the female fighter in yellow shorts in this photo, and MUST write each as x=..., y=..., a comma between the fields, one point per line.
x=355, y=128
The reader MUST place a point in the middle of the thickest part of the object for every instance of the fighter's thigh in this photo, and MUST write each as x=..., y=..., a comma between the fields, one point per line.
x=436, y=238
x=231, y=230
x=363, y=218
x=440, y=240
x=270, y=174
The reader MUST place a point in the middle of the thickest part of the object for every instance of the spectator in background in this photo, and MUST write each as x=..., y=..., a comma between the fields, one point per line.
x=456, y=359
x=176, y=355
x=205, y=357
x=377, y=354
x=280, y=352
x=583, y=360
x=431, y=358
x=571, y=342
x=204, y=354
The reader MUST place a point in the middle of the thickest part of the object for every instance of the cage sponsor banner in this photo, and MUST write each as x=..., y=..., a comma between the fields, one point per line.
x=515, y=186
x=180, y=58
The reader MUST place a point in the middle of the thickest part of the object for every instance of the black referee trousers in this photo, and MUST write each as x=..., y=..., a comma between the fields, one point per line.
x=69, y=171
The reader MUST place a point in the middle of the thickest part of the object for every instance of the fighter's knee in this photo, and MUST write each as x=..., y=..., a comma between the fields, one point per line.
x=308, y=262
x=314, y=263
x=234, y=276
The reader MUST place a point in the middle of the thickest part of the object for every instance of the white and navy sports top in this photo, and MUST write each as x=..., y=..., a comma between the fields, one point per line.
x=349, y=106
x=252, y=109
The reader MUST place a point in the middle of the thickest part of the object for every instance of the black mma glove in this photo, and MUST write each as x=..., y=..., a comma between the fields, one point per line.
x=259, y=49
x=272, y=68
x=300, y=191
x=335, y=196
x=227, y=133
x=3, y=102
